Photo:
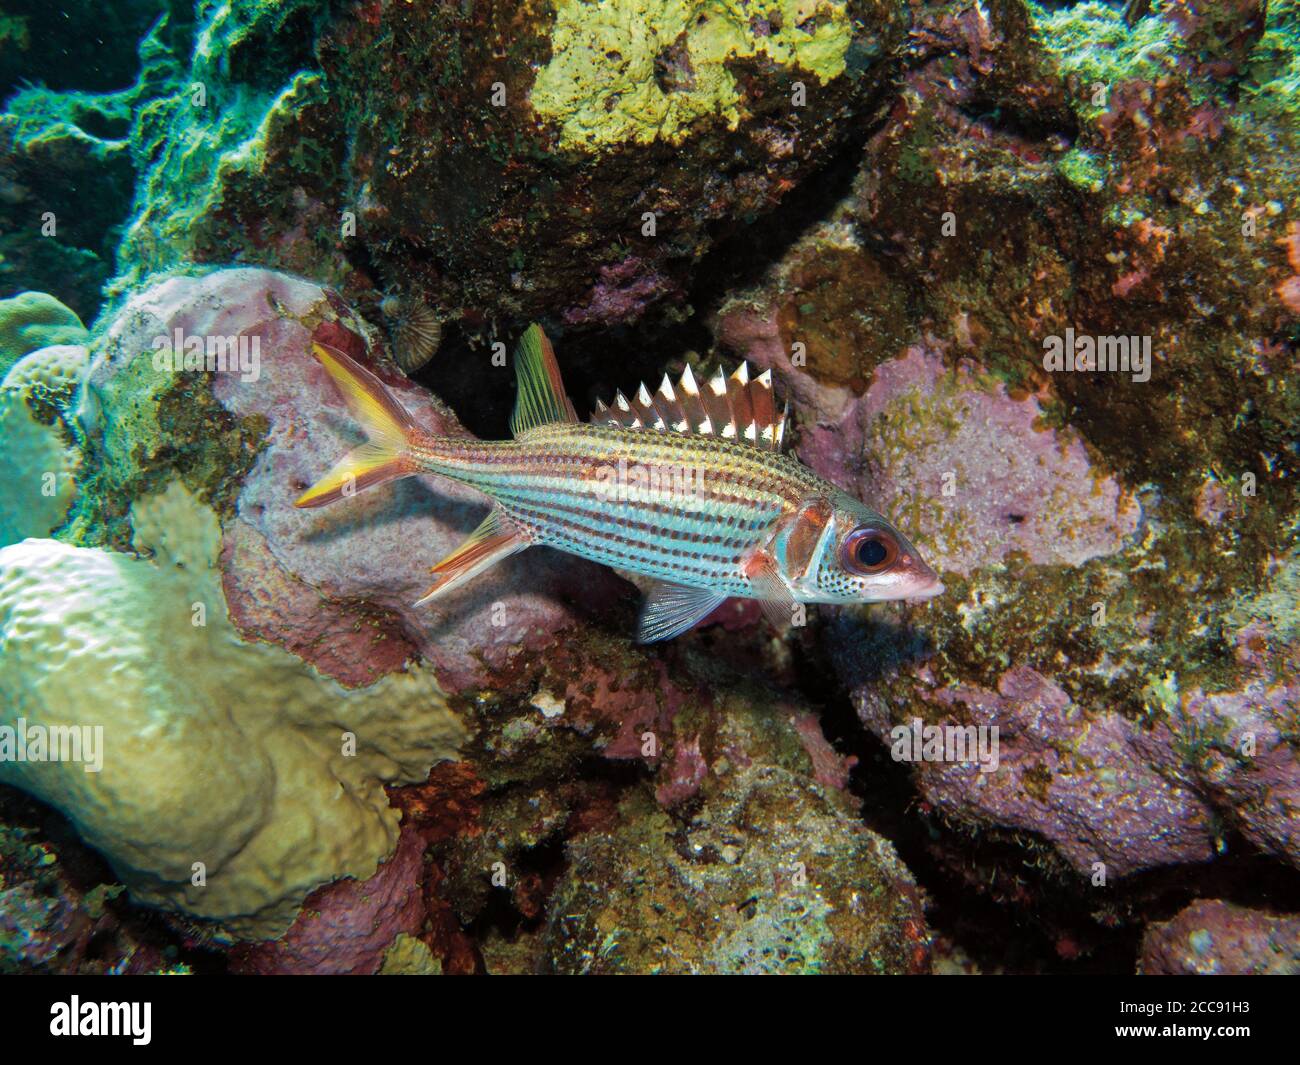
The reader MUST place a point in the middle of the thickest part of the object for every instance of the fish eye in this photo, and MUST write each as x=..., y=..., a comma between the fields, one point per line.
x=869, y=550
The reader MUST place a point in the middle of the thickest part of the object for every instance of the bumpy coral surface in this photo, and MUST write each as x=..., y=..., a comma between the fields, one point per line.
x=220, y=778
x=35, y=400
x=34, y=320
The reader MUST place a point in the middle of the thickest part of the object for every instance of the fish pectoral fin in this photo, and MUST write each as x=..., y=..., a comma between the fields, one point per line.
x=487, y=545
x=671, y=609
x=542, y=398
x=772, y=593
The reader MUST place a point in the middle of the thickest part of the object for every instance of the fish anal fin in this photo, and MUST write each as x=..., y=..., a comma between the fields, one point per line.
x=671, y=609
x=542, y=398
x=363, y=467
x=494, y=540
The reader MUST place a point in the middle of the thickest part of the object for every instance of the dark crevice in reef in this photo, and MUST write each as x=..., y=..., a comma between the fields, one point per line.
x=1020, y=125
x=744, y=258
x=1004, y=899
x=500, y=916
x=91, y=925
x=596, y=363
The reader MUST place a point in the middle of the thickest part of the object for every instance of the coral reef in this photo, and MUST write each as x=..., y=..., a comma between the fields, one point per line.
x=767, y=877
x=70, y=148
x=579, y=164
x=1106, y=563
x=914, y=214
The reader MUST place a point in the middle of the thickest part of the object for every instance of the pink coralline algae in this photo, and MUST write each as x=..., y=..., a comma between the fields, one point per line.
x=621, y=295
x=1236, y=747
x=1220, y=938
x=1098, y=784
x=1084, y=784
x=346, y=927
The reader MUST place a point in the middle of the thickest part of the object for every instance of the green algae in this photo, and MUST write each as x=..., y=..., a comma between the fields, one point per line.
x=1091, y=43
x=1271, y=86
x=1082, y=170
x=73, y=161
x=639, y=71
x=210, y=132
x=159, y=426
x=766, y=877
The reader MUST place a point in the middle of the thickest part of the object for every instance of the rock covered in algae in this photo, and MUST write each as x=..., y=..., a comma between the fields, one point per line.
x=528, y=183
x=768, y=876
x=550, y=181
x=1221, y=938
x=1115, y=544
x=61, y=911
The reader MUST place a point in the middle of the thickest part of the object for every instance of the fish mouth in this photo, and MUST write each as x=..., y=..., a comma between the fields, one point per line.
x=928, y=590
x=920, y=581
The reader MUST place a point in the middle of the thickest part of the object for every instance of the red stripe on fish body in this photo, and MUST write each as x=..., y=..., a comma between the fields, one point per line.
x=670, y=506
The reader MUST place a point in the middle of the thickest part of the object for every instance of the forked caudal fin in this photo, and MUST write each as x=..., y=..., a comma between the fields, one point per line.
x=383, y=457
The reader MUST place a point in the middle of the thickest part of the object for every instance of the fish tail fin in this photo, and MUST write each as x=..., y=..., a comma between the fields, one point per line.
x=385, y=456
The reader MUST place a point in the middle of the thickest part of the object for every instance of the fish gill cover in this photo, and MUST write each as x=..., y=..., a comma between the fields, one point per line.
x=1027, y=274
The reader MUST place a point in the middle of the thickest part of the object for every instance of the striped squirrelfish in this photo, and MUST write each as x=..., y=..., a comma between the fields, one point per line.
x=687, y=486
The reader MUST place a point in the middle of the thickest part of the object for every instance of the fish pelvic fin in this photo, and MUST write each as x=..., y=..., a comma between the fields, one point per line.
x=384, y=456
x=671, y=609
x=542, y=398
x=494, y=540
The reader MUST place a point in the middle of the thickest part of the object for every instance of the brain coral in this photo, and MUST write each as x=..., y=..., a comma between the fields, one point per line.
x=234, y=778
x=42, y=462
x=33, y=320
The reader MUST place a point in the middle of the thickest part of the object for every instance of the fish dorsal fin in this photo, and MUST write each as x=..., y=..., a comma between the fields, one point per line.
x=735, y=408
x=541, y=398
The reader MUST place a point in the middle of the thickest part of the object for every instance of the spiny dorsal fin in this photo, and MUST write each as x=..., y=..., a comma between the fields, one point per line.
x=735, y=408
x=541, y=398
